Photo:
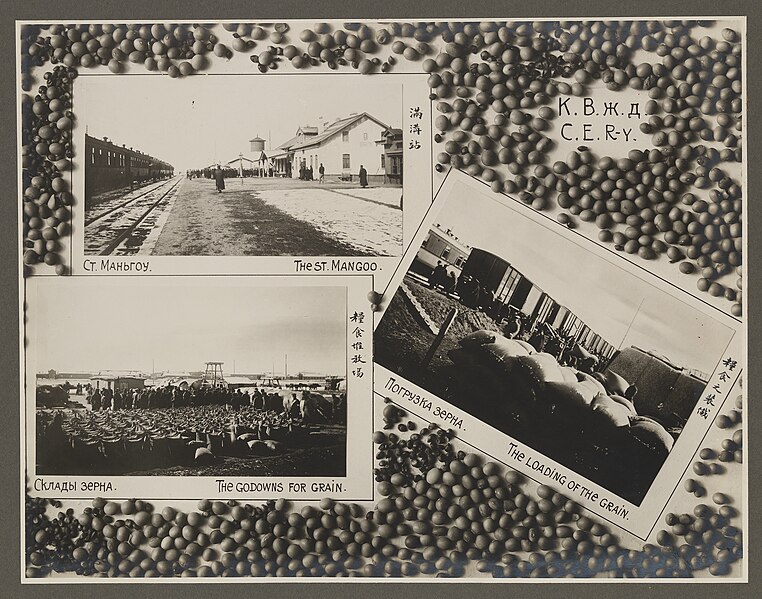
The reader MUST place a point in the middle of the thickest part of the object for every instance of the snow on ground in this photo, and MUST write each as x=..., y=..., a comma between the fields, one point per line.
x=373, y=226
x=385, y=195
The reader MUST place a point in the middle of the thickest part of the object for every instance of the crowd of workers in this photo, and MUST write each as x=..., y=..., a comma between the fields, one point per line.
x=172, y=396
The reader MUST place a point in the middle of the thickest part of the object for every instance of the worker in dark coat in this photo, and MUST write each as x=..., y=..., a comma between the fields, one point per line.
x=219, y=179
x=363, y=177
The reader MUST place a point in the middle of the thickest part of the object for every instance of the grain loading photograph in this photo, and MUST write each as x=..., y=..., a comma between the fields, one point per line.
x=550, y=343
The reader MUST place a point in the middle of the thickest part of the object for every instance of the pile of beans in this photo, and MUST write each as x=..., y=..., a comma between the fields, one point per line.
x=46, y=158
x=402, y=461
x=176, y=49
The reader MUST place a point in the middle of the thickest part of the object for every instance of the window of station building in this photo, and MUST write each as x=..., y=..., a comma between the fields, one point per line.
x=345, y=136
x=383, y=161
x=345, y=161
x=445, y=253
x=92, y=155
x=365, y=137
x=460, y=261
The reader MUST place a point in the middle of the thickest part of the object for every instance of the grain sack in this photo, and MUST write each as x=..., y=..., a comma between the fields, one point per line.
x=273, y=446
x=652, y=435
x=258, y=447
x=569, y=374
x=526, y=345
x=478, y=338
x=592, y=382
x=502, y=354
x=609, y=411
x=615, y=384
x=541, y=368
x=626, y=403
x=465, y=357
x=204, y=456
x=569, y=396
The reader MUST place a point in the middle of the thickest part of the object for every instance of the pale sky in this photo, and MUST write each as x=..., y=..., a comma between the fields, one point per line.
x=94, y=324
x=604, y=296
x=194, y=121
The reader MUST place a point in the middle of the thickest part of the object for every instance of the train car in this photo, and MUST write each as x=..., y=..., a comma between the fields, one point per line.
x=110, y=166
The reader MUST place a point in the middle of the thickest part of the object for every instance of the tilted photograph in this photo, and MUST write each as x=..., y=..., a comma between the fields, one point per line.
x=548, y=342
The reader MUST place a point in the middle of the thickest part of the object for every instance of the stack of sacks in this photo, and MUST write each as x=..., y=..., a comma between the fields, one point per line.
x=602, y=403
x=540, y=369
x=489, y=358
x=491, y=349
x=575, y=394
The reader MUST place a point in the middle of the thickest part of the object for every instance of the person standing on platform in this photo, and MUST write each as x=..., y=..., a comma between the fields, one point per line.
x=363, y=177
x=321, y=172
x=219, y=179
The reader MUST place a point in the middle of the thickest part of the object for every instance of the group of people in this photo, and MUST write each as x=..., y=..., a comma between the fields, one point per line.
x=171, y=396
x=306, y=173
x=441, y=278
x=468, y=289
x=544, y=338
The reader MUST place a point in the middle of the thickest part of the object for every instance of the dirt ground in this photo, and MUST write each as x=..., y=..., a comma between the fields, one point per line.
x=244, y=221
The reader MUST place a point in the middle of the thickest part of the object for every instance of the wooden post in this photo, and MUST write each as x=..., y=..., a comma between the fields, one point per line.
x=440, y=336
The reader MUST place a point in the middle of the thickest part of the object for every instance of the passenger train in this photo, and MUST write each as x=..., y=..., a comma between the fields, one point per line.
x=109, y=167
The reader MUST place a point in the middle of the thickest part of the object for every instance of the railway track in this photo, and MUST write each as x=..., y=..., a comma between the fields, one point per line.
x=122, y=228
x=102, y=210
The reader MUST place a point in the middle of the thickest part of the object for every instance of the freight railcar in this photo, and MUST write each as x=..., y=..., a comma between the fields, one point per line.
x=110, y=166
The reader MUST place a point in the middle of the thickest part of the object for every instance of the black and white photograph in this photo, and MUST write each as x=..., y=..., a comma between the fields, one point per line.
x=242, y=166
x=177, y=378
x=380, y=299
x=544, y=340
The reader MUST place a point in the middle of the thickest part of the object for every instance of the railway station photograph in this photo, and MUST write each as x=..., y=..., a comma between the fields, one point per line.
x=178, y=378
x=550, y=343
x=292, y=165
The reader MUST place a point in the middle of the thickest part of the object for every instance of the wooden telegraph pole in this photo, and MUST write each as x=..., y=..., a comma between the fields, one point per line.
x=440, y=336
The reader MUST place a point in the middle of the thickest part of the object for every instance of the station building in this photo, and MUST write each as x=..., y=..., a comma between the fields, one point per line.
x=341, y=145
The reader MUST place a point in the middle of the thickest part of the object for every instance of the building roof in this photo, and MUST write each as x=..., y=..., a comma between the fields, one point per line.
x=251, y=158
x=236, y=159
x=288, y=143
x=392, y=131
x=389, y=132
x=114, y=376
x=257, y=138
x=335, y=128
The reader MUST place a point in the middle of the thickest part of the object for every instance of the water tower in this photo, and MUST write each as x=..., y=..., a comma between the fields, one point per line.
x=257, y=144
